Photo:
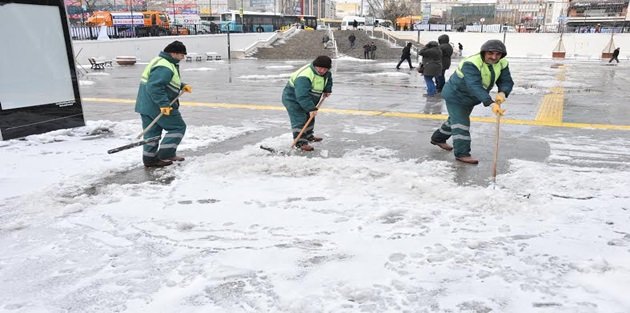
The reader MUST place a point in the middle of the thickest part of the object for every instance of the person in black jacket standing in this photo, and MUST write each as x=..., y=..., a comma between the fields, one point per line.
x=447, y=52
x=406, y=55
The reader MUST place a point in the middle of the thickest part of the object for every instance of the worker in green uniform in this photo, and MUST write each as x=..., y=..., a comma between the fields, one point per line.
x=304, y=90
x=470, y=85
x=159, y=85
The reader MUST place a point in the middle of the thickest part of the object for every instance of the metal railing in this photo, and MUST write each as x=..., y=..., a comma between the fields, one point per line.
x=118, y=32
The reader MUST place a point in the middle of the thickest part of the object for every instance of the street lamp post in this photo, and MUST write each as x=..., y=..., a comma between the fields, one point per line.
x=481, y=20
x=133, y=25
x=175, y=19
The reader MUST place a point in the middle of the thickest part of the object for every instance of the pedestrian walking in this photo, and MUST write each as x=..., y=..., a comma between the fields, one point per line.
x=159, y=85
x=352, y=38
x=431, y=66
x=470, y=85
x=461, y=49
x=406, y=55
x=355, y=24
x=304, y=90
x=615, y=56
x=447, y=52
x=372, y=50
x=366, y=50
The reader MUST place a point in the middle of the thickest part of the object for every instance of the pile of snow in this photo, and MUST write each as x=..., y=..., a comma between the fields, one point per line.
x=248, y=231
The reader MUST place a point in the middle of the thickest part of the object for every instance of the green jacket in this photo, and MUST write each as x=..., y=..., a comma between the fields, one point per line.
x=156, y=92
x=470, y=86
x=298, y=91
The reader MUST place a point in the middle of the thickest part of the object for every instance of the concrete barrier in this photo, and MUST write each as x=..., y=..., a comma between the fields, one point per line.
x=146, y=48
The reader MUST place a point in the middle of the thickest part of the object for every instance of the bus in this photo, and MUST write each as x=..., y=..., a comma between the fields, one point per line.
x=250, y=22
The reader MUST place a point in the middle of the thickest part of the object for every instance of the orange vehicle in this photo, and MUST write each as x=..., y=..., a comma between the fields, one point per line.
x=149, y=22
x=407, y=22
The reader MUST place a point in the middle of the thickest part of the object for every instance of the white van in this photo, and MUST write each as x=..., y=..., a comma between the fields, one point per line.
x=346, y=22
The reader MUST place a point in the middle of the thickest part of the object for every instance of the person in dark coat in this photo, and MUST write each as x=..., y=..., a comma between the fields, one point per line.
x=366, y=50
x=352, y=38
x=447, y=52
x=355, y=24
x=372, y=50
x=300, y=96
x=160, y=84
x=470, y=85
x=461, y=49
x=431, y=65
x=406, y=55
x=615, y=55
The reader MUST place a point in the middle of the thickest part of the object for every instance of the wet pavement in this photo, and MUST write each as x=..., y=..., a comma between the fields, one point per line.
x=376, y=106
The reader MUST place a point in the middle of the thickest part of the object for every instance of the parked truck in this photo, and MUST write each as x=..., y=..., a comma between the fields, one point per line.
x=147, y=23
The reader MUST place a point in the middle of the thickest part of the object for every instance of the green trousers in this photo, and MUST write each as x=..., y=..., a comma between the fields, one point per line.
x=457, y=126
x=175, y=128
x=298, y=118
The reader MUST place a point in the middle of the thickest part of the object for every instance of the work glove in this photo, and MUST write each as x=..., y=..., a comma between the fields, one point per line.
x=496, y=109
x=187, y=88
x=166, y=110
x=500, y=98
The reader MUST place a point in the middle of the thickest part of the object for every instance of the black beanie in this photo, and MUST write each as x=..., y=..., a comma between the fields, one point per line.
x=323, y=61
x=175, y=47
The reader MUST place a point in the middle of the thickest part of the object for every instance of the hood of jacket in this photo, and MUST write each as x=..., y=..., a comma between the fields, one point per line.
x=443, y=39
x=431, y=44
x=494, y=45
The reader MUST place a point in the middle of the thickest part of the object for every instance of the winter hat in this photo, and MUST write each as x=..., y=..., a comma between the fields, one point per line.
x=494, y=45
x=323, y=61
x=175, y=47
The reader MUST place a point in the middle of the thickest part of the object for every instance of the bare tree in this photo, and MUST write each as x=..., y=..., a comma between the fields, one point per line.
x=393, y=9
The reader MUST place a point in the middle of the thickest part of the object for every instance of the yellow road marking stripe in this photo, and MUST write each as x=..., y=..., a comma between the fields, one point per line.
x=383, y=113
x=552, y=106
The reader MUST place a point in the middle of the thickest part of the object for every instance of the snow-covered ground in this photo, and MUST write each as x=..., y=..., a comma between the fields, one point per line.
x=248, y=231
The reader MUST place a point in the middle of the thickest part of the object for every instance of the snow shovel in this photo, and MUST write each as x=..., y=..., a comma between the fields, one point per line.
x=152, y=139
x=496, y=151
x=272, y=150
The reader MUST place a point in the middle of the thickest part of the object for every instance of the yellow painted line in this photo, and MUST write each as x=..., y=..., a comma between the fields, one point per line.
x=552, y=106
x=382, y=113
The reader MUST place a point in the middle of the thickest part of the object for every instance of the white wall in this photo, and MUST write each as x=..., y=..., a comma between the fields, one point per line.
x=519, y=45
x=146, y=48
x=533, y=45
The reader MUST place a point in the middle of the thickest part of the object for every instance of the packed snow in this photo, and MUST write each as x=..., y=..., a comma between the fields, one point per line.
x=250, y=231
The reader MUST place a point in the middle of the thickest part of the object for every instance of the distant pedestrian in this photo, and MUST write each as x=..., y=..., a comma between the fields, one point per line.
x=406, y=55
x=355, y=24
x=366, y=50
x=447, y=52
x=325, y=39
x=615, y=55
x=304, y=90
x=372, y=50
x=461, y=49
x=470, y=85
x=431, y=65
x=352, y=38
x=160, y=84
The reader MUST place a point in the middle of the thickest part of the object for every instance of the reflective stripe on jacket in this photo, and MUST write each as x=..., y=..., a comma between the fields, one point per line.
x=174, y=84
x=486, y=75
x=317, y=82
